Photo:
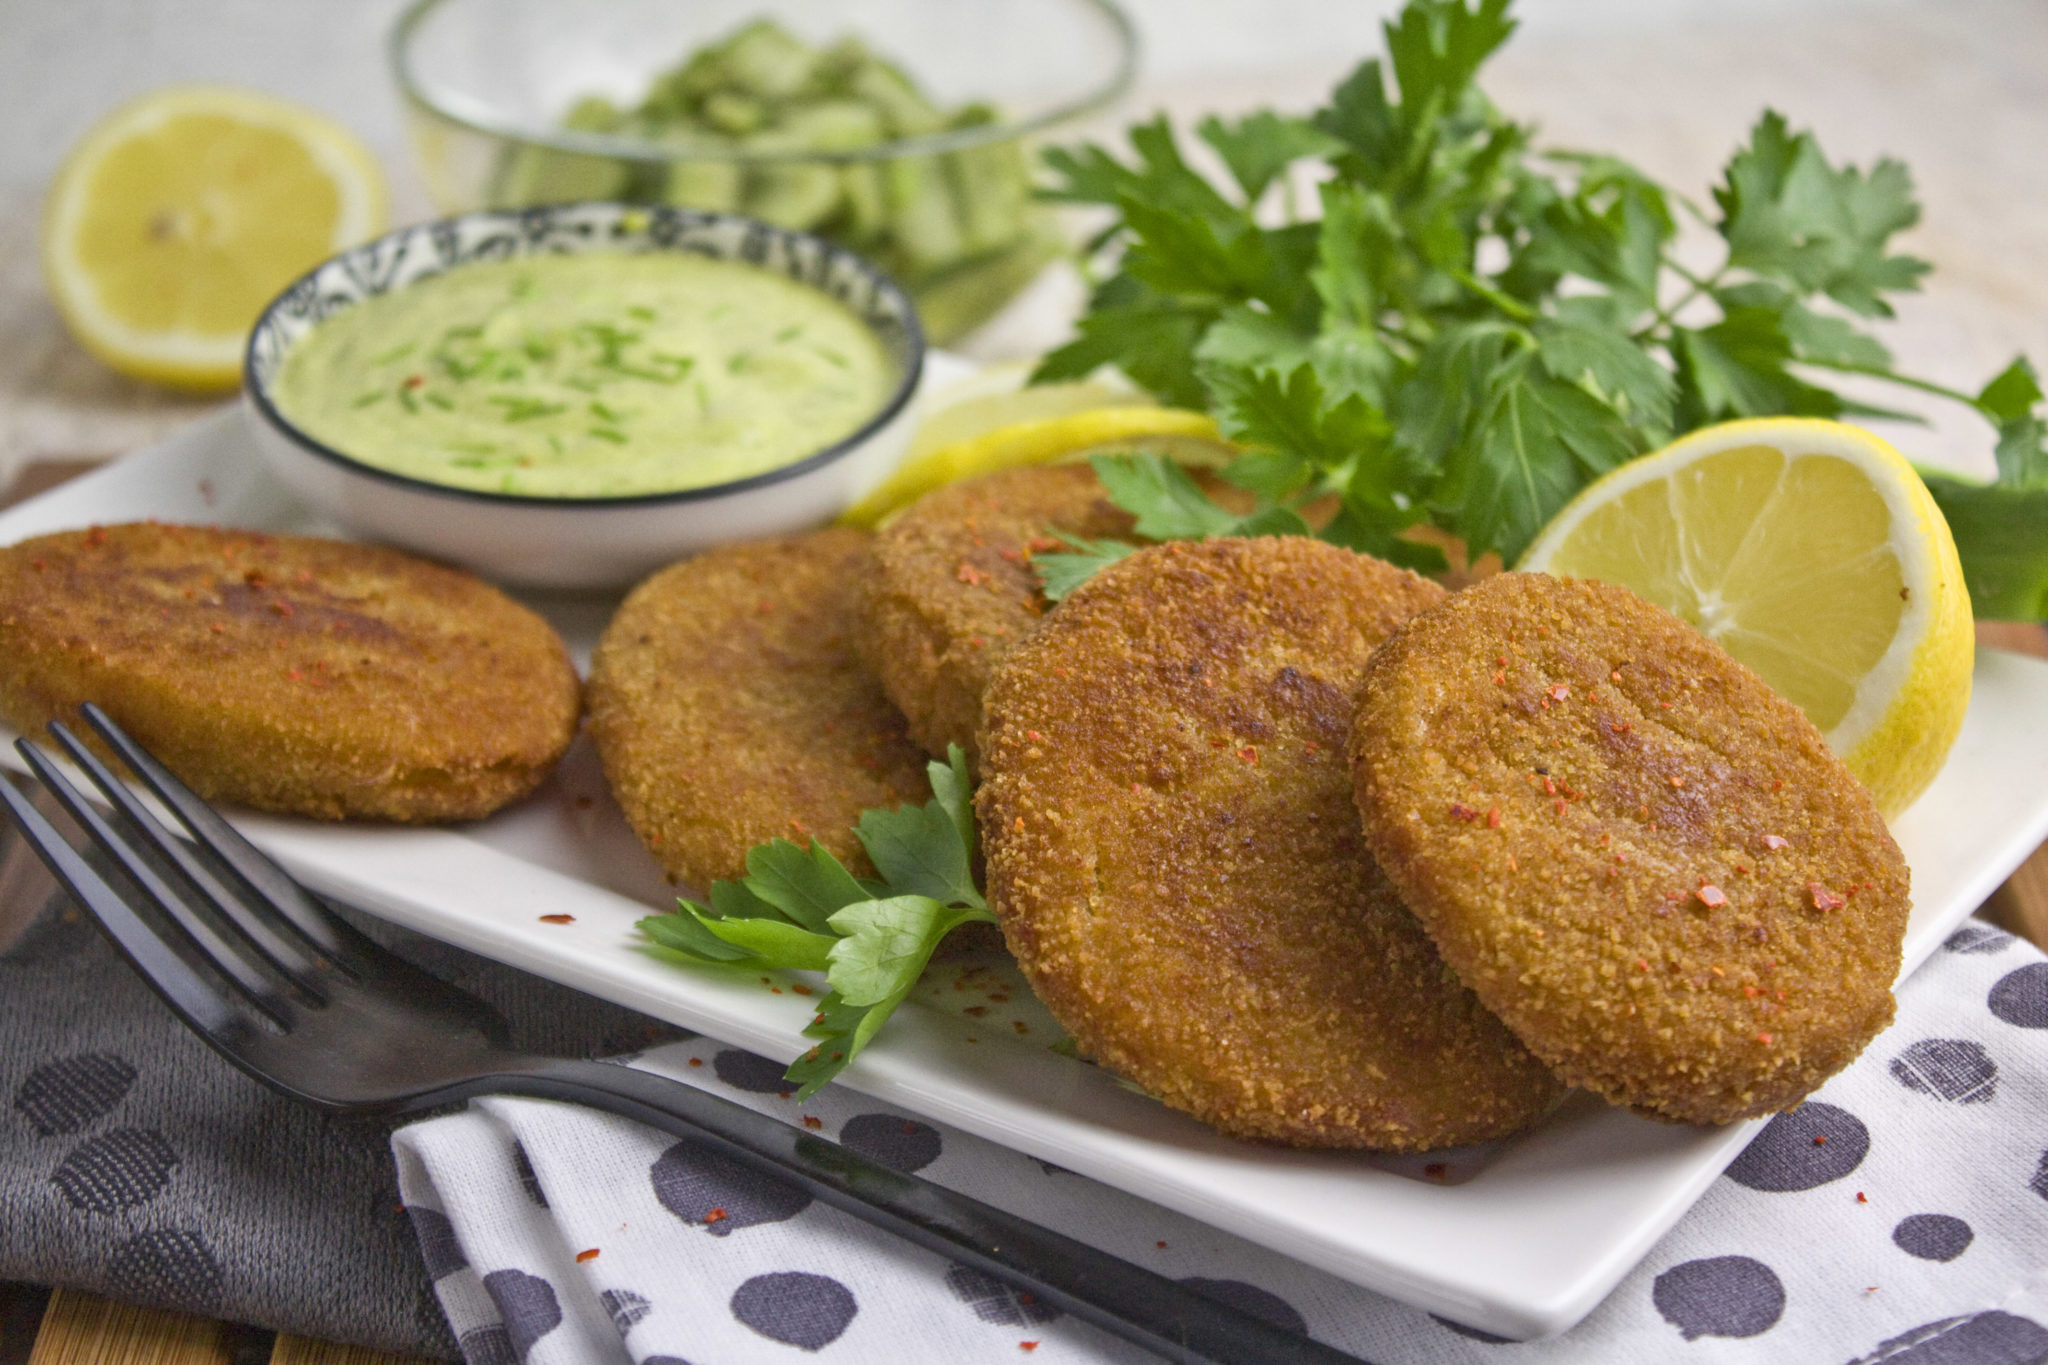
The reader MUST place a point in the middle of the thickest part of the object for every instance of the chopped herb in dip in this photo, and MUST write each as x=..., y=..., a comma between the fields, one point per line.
x=588, y=376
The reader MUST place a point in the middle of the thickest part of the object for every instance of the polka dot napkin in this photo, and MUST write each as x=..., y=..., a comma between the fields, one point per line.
x=1901, y=1216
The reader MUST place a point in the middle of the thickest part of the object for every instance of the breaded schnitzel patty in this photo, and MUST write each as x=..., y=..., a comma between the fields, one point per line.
x=730, y=708
x=1643, y=859
x=315, y=677
x=954, y=590
x=1173, y=852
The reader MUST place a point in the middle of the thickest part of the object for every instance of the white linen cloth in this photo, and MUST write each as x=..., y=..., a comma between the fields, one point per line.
x=1915, y=1233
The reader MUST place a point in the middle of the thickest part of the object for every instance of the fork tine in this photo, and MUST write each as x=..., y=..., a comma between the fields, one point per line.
x=196, y=1000
x=264, y=878
x=226, y=958
x=283, y=954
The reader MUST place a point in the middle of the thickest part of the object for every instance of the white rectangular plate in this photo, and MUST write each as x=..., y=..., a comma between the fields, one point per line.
x=1525, y=1247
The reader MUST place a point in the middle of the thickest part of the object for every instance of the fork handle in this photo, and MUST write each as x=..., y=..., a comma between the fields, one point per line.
x=1142, y=1307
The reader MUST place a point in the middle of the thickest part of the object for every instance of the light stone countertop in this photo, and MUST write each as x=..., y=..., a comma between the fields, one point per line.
x=1959, y=91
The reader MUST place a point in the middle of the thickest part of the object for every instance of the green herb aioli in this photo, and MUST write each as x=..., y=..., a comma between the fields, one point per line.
x=587, y=376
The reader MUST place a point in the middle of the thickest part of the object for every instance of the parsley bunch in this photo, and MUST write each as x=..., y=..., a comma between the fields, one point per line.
x=799, y=908
x=1470, y=330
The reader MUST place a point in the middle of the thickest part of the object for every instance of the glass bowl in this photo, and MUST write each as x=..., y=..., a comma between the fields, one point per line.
x=771, y=129
x=609, y=542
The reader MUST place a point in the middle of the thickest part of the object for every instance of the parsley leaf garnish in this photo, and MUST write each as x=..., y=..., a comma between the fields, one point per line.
x=1462, y=330
x=800, y=909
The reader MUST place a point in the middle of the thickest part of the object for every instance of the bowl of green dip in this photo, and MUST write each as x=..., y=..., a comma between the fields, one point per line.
x=573, y=396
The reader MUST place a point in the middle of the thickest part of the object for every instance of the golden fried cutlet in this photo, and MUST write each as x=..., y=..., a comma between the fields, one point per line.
x=316, y=677
x=730, y=708
x=1173, y=852
x=1644, y=860
x=955, y=590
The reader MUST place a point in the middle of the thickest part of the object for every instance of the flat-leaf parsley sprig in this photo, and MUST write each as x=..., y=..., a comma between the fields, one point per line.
x=1470, y=329
x=800, y=909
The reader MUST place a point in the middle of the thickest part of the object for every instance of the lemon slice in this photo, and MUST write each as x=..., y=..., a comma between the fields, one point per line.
x=181, y=215
x=1814, y=554
x=992, y=420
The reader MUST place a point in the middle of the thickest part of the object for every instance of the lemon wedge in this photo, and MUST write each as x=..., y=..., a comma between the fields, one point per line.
x=1814, y=554
x=993, y=420
x=182, y=214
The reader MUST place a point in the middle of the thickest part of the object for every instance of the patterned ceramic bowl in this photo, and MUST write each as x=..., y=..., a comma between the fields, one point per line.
x=570, y=542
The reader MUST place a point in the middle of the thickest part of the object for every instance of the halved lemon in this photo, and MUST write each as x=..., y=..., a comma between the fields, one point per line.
x=182, y=214
x=1814, y=554
x=993, y=420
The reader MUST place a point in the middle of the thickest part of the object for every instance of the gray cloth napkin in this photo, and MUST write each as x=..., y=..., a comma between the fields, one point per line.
x=136, y=1164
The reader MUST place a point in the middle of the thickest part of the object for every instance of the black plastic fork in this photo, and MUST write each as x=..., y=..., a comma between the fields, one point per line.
x=305, y=1003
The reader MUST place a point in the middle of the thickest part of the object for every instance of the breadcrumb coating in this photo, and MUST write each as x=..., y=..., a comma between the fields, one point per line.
x=955, y=590
x=1174, y=855
x=729, y=707
x=1644, y=860
x=313, y=677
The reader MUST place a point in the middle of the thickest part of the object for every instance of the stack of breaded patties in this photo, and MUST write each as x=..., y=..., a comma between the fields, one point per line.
x=1283, y=834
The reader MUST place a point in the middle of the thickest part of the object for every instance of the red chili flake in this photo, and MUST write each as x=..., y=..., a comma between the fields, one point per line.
x=775, y=990
x=1764, y=1038
x=283, y=608
x=1678, y=782
x=696, y=1061
x=1033, y=736
x=557, y=919
x=802, y=990
x=1160, y=1245
x=1493, y=818
x=1742, y=867
x=218, y=628
x=1501, y=659
x=812, y=1121
x=1862, y=1198
x=1461, y=811
x=1249, y=755
x=1436, y=1170
x=1560, y=805
x=1779, y=785
x=1664, y=706
x=1773, y=841
x=1750, y=991
x=1218, y=743
x=1500, y=679
x=1621, y=857
x=1615, y=676
x=1549, y=787
x=413, y=381
x=1514, y=866
x=1559, y=692
x=1621, y=727
x=1824, y=899
x=764, y=606
x=976, y=1010
x=1642, y=965
x=715, y=1216
x=1820, y=1139
x=292, y=673
x=1027, y=1345
x=39, y=564
x=1712, y=897
x=970, y=575
x=1018, y=824
x=799, y=826
x=589, y=1255
x=1136, y=790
